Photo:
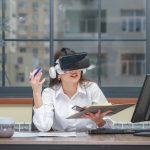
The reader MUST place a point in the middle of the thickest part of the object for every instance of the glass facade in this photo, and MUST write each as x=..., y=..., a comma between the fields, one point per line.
x=76, y=19
x=23, y=57
x=126, y=21
x=125, y=63
x=114, y=37
x=27, y=19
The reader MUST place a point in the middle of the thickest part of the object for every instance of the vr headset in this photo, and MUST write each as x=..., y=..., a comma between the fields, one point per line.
x=74, y=62
x=68, y=62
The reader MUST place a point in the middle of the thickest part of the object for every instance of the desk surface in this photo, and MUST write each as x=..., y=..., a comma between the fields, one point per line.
x=107, y=139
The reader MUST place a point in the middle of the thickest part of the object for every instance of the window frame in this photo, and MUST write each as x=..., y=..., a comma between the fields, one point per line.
x=129, y=22
x=108, y=91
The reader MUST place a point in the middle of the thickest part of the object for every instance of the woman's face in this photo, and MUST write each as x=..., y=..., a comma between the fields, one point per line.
x=71, y=76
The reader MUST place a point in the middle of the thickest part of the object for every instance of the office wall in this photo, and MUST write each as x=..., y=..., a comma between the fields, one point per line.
x=19, y=112
x=23, y=112
x=124, y=115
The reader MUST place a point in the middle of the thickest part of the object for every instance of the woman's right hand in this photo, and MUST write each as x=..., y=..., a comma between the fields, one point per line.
x=36, y=81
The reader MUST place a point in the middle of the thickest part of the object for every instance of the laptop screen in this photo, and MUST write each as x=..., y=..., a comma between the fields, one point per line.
x=142, y=109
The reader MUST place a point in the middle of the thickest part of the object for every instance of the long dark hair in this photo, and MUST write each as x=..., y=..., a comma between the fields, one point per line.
x=58, y=54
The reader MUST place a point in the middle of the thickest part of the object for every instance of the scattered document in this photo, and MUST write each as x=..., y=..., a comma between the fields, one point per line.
x=44, y=134
x=24, y=134
x=59, y=134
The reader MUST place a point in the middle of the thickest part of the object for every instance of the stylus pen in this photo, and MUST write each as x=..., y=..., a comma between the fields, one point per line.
x=38, y=70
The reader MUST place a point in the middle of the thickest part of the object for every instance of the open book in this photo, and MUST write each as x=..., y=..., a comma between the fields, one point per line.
x=94, y=108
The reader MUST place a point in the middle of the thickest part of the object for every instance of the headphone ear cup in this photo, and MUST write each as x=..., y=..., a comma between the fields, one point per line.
x=84, y=71
x=52, y=72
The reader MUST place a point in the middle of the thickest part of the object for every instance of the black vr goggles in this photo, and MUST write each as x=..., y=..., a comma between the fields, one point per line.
x=73, y=61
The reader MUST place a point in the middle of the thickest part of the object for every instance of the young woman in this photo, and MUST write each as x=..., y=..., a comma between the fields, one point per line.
x=54, y=105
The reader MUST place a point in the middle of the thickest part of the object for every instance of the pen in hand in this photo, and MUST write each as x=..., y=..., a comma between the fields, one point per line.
x=38, y=70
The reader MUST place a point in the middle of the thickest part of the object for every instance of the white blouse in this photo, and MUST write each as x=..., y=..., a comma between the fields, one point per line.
x=57, y=106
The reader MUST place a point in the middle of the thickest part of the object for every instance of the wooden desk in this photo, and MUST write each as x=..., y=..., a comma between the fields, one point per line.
x=94, y=142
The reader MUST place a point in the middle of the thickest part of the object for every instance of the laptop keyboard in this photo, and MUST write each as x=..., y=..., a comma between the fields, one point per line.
x=116, y=131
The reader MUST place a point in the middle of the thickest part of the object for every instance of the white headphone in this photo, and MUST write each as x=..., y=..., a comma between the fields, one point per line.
x=54, y=69
x=57, y=68
x=83, y=70
x=52, y=72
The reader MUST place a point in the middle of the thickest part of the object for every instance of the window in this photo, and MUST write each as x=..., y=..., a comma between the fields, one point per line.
x=20, y=77
x=133, y=64
x=22, y=18
x=22, y=5
x=22, y=50
x=103, y=21
x=35, y=16
x=103, y=67
x=35, y=52
x=115, y=37
x=93, y=66
x=47, y=50
x=133, y=20
x=35, y=5
x=19, y=60
x=46, y=6
x=86, y=21
x=46, y=26
x=22, y=29
x=35, y=27
x=25, y=17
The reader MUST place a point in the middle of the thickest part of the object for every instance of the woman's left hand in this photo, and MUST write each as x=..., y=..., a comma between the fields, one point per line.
x=97, y=117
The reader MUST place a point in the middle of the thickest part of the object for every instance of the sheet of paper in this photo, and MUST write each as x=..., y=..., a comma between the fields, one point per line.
x=24, y=134
x=44, y=134
x=60, y=134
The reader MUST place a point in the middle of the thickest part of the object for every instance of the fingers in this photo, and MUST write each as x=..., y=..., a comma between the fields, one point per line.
x=42, y=81
x=99, y=114
x=88, y=115
x=85, y=116
x=38, y=76
x=33, y=72
x=97, y=117
x=31, y=76
x=106, y=112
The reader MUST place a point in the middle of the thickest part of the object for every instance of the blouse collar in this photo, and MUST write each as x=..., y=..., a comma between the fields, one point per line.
x=80, y=89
